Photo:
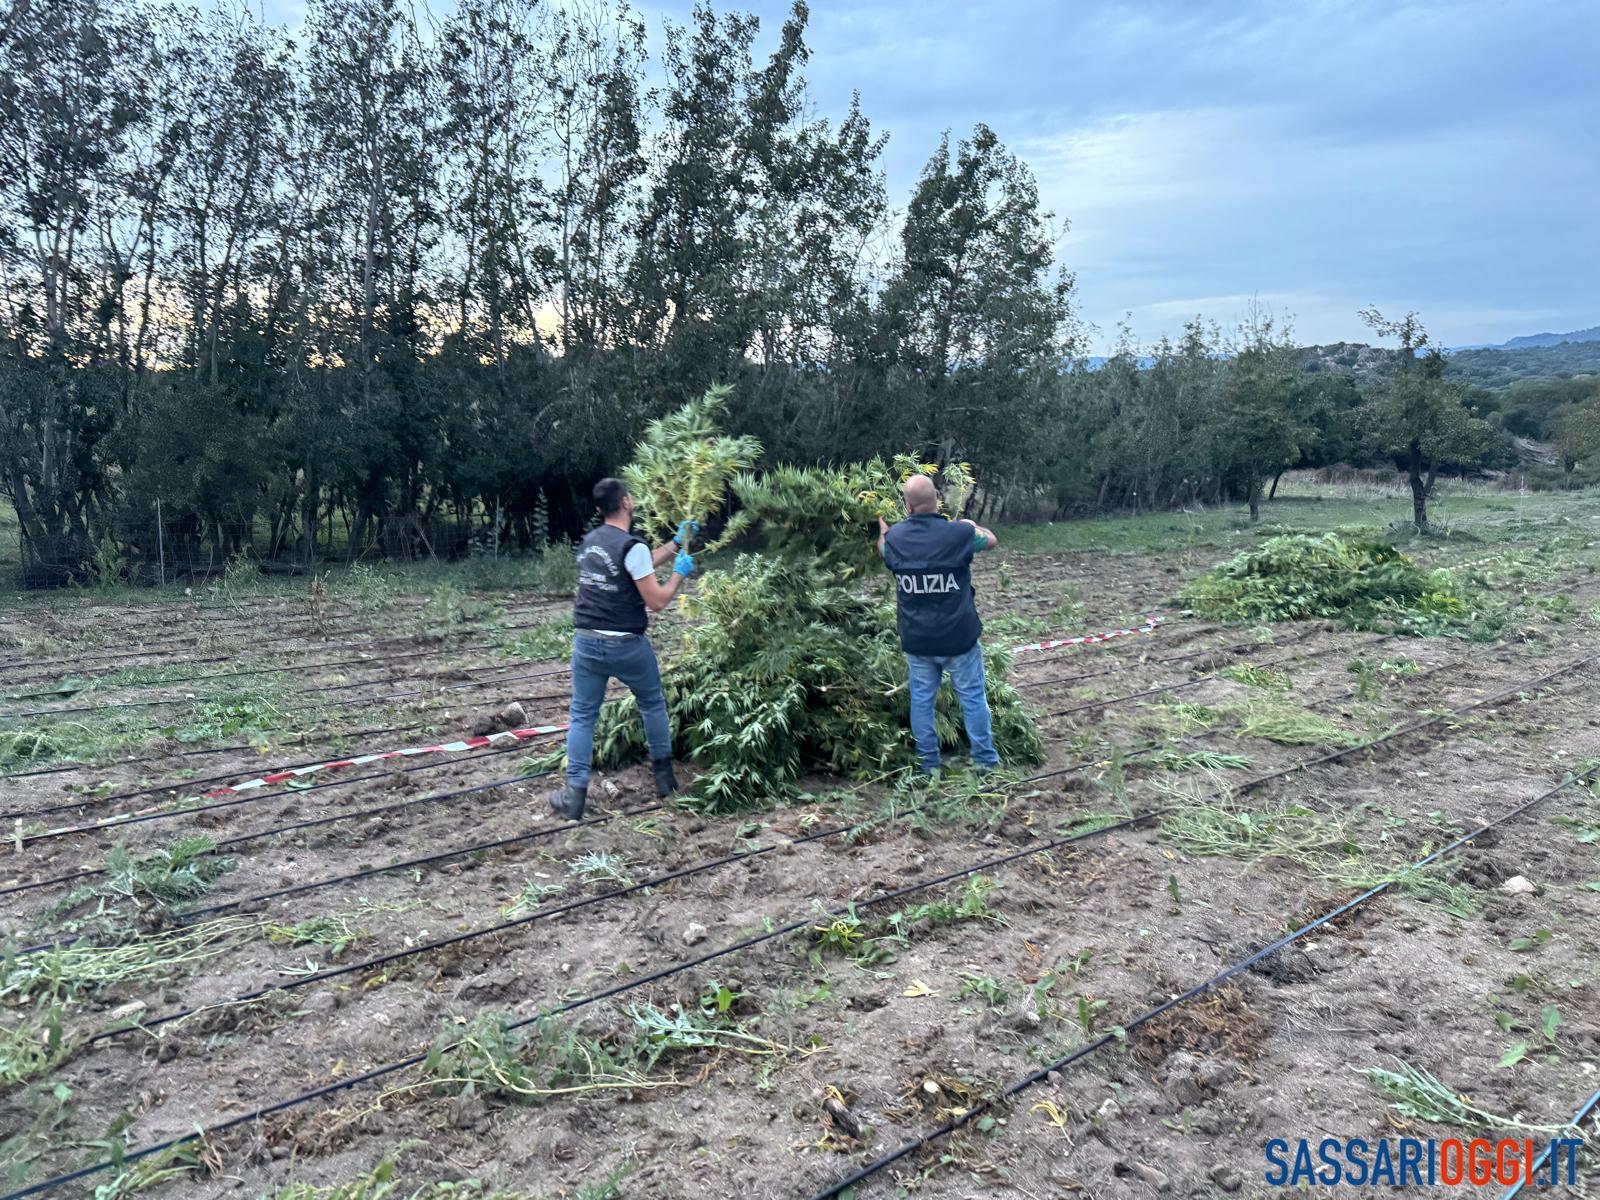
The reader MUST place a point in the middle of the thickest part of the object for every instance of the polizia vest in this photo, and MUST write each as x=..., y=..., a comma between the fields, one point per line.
x=932, y=563
x=607, y=596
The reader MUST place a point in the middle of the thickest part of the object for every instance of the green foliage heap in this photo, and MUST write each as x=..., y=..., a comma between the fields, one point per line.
x=791, y=664
x=1363, y=584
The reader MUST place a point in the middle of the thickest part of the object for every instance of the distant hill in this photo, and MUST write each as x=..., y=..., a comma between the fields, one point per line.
x=1498, y=366
x=1536, y=340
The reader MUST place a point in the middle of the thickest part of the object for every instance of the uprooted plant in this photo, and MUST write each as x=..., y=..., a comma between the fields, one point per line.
x=140, y=889
x=556, y=1058
x=1362, y=584
x=793, y=662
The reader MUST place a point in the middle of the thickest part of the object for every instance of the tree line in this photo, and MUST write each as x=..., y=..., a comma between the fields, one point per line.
x=392, y=274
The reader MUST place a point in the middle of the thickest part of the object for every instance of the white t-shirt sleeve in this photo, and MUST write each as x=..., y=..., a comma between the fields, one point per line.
x=637, y=561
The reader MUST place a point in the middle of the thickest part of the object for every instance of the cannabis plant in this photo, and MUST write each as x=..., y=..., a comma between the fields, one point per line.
x=682, y=467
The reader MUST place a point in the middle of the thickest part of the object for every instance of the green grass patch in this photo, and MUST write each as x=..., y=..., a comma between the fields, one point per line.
x=550, y=639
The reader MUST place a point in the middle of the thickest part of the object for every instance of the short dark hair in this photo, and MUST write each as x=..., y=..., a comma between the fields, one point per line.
x=608, y=494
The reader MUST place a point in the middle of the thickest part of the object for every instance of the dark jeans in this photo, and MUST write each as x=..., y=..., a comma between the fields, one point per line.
x=595, y=662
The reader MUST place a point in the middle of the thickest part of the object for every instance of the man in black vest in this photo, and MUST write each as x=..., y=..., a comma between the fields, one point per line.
x=931, y=558
x=616, y=584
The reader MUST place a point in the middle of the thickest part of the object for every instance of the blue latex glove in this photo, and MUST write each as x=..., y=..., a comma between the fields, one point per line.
x=683, y=564
x=685, y=530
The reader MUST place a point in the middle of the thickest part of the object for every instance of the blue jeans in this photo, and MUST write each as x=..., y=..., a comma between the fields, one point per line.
x=966, y=677
x=595, y=662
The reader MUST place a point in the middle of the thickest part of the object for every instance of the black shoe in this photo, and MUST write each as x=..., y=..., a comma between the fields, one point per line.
x=666, y=781
x=568, y=802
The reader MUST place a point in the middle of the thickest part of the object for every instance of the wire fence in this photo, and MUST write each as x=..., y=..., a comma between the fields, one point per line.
x=158, y=546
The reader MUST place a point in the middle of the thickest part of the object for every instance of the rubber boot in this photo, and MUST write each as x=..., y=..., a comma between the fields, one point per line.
x=568, y=801
x=666, y=781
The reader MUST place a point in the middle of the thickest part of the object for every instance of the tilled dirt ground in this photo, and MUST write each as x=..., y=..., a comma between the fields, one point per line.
x=906, y=1015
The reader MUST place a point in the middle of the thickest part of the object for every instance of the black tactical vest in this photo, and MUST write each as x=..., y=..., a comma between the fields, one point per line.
x=932, y=563
x=607, y=596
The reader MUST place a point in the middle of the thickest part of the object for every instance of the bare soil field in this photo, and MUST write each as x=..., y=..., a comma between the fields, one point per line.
x=407, y=973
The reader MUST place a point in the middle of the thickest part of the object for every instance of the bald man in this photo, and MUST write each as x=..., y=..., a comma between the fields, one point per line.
x=931, y=558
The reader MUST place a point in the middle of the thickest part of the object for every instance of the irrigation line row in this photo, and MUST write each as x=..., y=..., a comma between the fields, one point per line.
x=163, y=814
x=162, y=646
x=1179, y=686
x=1055, y=773
x=310, y=668
x=463, y=852
x=792, y=927
x=170, y=701
x=311, y=823
x=542, y=914
x=1150, y=662
x=632, y=984
x=439, y=647
x=91, y=872
x=1584, y=1109
x=238, y=748
x=1036, y=1076
x=190, y=916
x=88, y=801
x=191, y=784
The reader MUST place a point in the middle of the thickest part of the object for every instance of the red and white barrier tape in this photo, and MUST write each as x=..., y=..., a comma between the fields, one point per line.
x=471, y=743
x=535, y=731
x=1091, y=639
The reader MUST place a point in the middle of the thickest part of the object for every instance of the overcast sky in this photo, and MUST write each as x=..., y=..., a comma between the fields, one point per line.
x=1319, y=156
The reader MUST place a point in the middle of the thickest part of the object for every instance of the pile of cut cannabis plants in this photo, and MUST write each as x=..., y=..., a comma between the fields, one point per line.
x=793, y=662
x=1362, y=584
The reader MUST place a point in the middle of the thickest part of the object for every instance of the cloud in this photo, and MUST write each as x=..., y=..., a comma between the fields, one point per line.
x=1436, y=155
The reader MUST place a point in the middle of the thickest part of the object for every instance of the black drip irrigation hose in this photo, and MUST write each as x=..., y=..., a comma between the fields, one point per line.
x=1163, y=689
x=1038, y=777
x=239, y=748
x=167, y=814
x=282, y=669
x=157, y=650
x=785, y=930
x=189, y=785
x=117, y=821
x=311, y=823
x=192, y=915
x=1584, y=1109
x=150, y=649
x=1144, y=662
x=633, y=984
x=1221, y=977
x=543, y=914
x=170, y=701
x=1215, y=650
x=218, y=626
x=57, y=770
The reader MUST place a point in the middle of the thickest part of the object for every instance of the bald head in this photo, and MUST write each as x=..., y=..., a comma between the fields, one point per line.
x=921, y=497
